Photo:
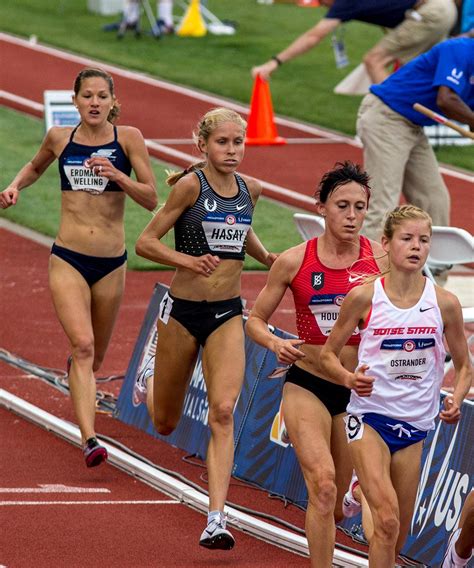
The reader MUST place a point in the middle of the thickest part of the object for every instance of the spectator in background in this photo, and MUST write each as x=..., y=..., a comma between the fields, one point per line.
x=414, y=27
x=397, y=153
x=164, y=10
x=467, y=18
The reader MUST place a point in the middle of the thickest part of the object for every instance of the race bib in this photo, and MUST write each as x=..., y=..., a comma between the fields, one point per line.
x=325, y=309
x=406, y=359
x=165, y=308
x=81, y=177
x=226, y=232
x=354, y=427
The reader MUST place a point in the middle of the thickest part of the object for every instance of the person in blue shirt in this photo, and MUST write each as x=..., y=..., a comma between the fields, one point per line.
x=414, y=27
x=397, y=153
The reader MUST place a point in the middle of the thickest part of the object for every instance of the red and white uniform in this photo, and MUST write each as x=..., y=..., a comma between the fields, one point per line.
x=405, y=352
x=318, y=291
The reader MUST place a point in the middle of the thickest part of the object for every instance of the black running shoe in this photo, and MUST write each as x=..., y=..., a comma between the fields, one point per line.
x=94, y=453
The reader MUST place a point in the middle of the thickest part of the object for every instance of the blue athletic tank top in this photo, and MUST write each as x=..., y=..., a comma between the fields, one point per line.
x=77, y=176
x=214, y=224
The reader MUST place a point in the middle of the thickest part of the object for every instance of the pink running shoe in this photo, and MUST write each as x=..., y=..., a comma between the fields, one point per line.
x=350, y=506
x=94, y=453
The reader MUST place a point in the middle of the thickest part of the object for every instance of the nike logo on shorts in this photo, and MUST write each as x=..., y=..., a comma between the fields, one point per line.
x=218, y=316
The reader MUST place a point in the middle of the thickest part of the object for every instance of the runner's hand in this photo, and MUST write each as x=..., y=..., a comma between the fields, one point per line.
x=451, y=413
x=361, y=383
x=103, y=167
x=8, y=197
x=287, y=350
x=204, y=265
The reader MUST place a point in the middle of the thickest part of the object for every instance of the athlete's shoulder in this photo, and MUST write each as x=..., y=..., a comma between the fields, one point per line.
x=57, y=138
x=253, y=185
x=447, y=301
x=362, y=294
x=129, y=135
x=187, y=188
x=291, y=259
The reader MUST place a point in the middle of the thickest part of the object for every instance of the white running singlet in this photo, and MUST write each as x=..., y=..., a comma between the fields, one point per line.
x=405, y=352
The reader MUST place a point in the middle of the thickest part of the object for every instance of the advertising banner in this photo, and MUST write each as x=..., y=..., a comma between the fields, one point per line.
x=264, y=456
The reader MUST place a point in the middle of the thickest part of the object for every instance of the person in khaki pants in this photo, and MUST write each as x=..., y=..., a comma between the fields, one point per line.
x=413, y=27
x=397, y=154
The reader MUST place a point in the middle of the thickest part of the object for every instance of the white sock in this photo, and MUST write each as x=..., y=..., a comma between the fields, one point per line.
x=457, y=559
x=165, y=12
x=214, y=516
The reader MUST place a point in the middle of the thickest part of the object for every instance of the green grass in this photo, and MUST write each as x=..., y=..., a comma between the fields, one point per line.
x=39, y=205
x=302, y=89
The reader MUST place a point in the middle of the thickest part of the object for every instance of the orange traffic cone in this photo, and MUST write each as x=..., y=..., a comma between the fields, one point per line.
x=261, y=128
x=308, y=3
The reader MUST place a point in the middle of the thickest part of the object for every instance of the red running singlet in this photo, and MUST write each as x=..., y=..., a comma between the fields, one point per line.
x=318, y=291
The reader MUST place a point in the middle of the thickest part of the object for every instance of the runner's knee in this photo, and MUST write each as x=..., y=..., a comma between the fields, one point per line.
x=162, y=426
x=322, y=492
x=83, y=348
x=221, y=415
x=386, y=524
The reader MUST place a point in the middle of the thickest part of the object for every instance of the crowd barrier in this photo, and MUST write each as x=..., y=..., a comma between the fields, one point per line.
x=263, y=458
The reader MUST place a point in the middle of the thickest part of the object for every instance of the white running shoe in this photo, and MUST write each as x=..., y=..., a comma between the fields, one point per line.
x=350, y=506
x=216, y=536
x=140, y=387
x=451, y=559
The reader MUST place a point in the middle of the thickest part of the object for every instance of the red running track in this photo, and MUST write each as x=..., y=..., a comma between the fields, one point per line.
x=165, y=111
x=110, y=520
x=119, y=535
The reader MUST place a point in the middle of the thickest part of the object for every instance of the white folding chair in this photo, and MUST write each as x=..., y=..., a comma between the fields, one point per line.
x=451, y=245
x=309, y=226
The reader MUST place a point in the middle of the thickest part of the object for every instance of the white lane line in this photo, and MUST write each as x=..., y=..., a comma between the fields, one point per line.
x=53, y=488
x=21, y=100
x=189, y=158
x=187, y=91
x=51, y=503
x=28, y=103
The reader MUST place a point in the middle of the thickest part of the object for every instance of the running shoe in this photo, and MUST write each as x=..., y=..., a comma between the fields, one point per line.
x=216, y=536
x=285, y=438
x=451, y=559
x=68, y=365
x=140, y=387
x=94, y=453
x=350, y=506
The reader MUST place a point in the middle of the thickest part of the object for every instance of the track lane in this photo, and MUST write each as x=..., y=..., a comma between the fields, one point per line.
x=162, y=110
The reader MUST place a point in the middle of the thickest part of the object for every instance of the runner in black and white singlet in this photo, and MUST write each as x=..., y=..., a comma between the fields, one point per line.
x=402, y=318
x=319, y=273
x=211, y=209
x=88, y=258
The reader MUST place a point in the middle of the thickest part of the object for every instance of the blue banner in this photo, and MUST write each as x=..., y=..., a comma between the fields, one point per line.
x=264, y=457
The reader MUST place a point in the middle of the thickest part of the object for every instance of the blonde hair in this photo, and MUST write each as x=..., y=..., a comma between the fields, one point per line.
x=395, y=218
x=206, y=126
